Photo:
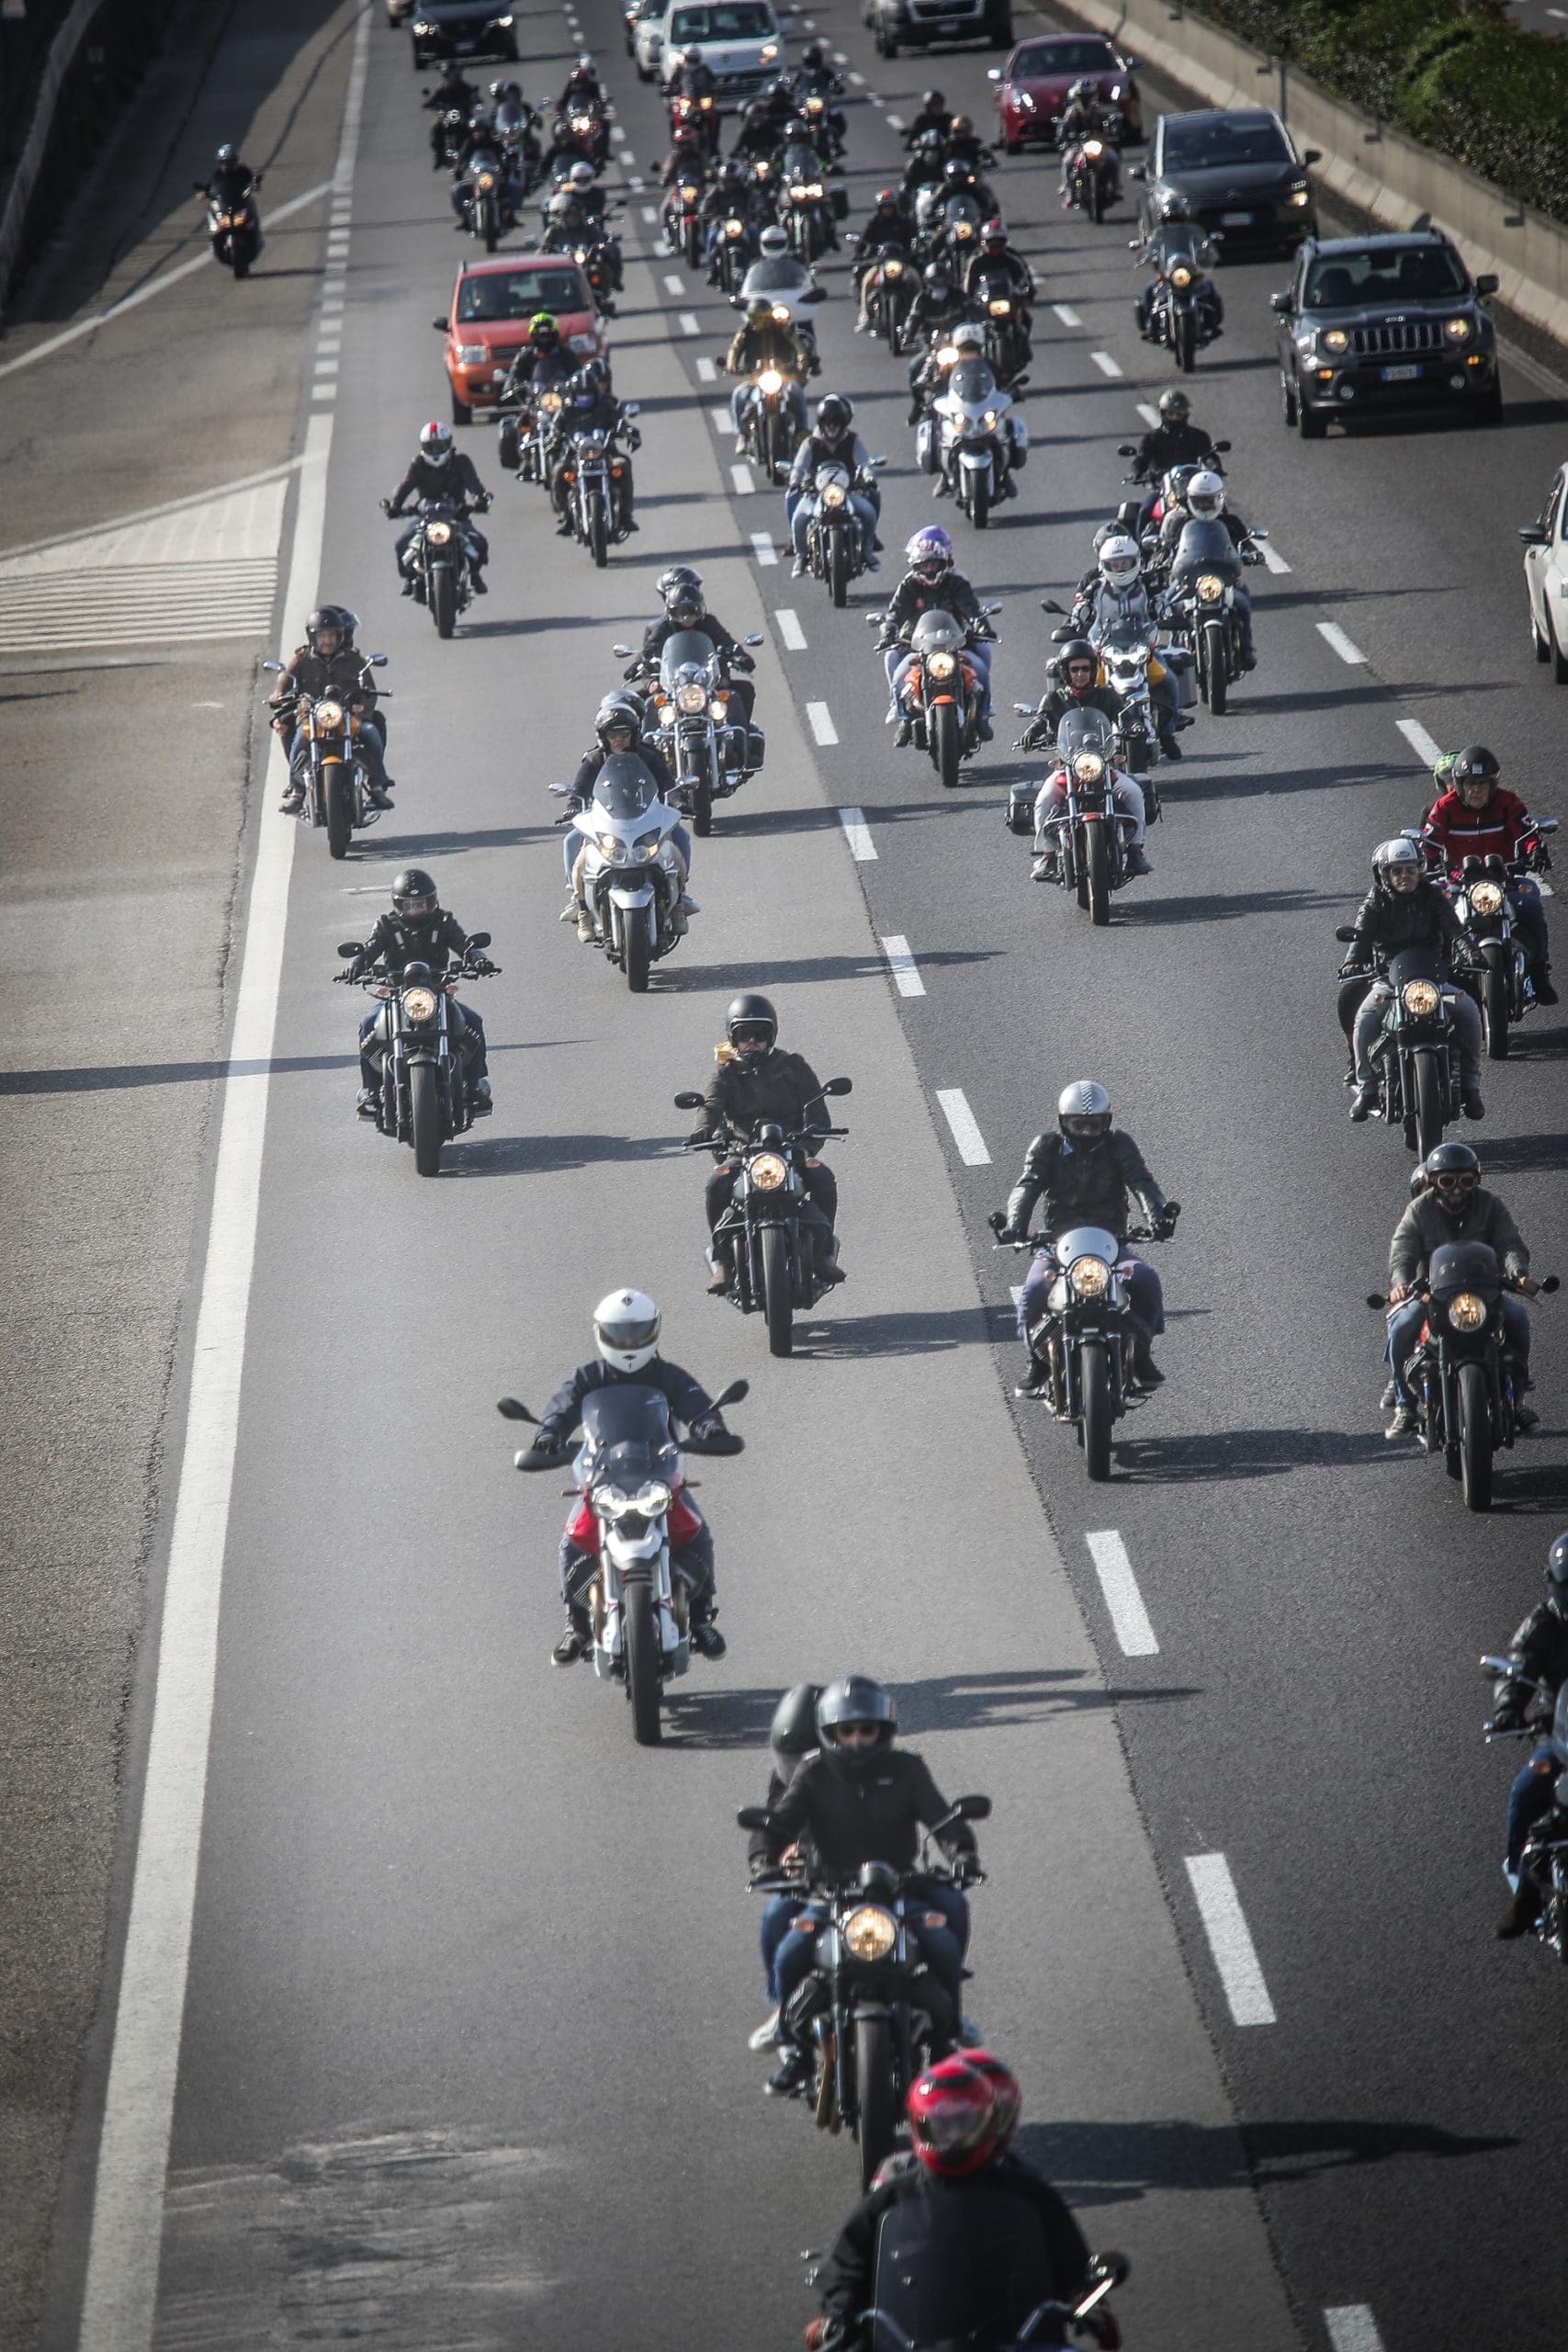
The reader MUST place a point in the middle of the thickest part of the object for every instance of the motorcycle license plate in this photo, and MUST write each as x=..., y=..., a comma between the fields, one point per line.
x=1235, y=220
x=1401, y=375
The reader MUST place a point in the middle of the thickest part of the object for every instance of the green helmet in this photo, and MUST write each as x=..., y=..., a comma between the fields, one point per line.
x=544, y=327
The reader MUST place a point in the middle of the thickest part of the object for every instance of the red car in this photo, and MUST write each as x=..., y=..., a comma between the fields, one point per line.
x=491, y=305
x=1032, y=87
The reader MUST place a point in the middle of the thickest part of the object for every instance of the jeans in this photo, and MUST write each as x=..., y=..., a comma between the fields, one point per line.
x=368, y=744
x=1530, y=1801
x=1126, y=793
x=941, y=1949
x=695, y=1560
x=472, y=1047
x=475, y=541
x=1145, y=1294
x=899, y=662
x=777, y=1913
x=1531, y=919
x=1466, y=1020
x=1405, y=1323
x=801, y=504
x=792, y=398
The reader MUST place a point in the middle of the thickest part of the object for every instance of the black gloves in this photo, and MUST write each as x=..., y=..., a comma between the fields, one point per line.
x=1508, y=1717
x=711, y=1425
x=1165, y=1219
x=743, y=663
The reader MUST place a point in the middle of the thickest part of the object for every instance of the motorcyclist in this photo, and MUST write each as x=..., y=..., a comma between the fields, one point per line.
x=1474, y=817
x=756, y=134
x=481, y=152
x=792, y=1736
x=230, y=181
x=766, y=342
x=685, y=608
x=1082, y=1175
x=418, y=929
x=1538, y=1653
x=1205, y=502
x=1174, y=441
x=1086, y=115
x=1113, y=603
x=588, y=405
x=1080, y=666
x=935, y=311
x=1403, y=909
x=933, y=117
x=890, y=221
x=924, y=167
x=582, y=86
x=964, y=145
x=625, y=1333
x=687, y=160
x=961, y=177
x=861, y=1800
x=995, y=261
x=725, y=198
x=440, y=471
x=618, y=730
x=1454, y=1206
x=329, y=664
x=752, y=1083
x=1175, y=239
x=933, y=584
x=692, y=78
x=540, y=362
x=833, y=441
x=454, y=92
x=943, y=2195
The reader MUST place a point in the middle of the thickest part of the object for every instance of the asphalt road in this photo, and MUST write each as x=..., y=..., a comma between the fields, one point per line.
x=462, y=1960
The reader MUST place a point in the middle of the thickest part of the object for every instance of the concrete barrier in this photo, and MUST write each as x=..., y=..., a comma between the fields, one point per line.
x=29, y=163
x=1372, y=167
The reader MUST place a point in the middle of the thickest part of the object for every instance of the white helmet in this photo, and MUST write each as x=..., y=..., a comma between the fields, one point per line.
x=1206, y=496
x=969, y=336
x=1119, y=562
x=560, y=207
x=772, y=242
x=1398, y=856
x=626, y=1329
x=581, y=175
x=1085, y=1099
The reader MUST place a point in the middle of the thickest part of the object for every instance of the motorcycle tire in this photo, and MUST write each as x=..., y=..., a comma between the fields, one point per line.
x=1428, y=1104
x=1097, y=200
x=1474, y=1436
x=690, y=244
x=702, y=812
x=443, y=601
x=876, y=2094
x=425, y=1117
x=508, y=449
x=1214, y=667
x=1098, y=877
x=1557, y=1923
x=338, y=791
x=1185, y=341
x=598, y=535
x=980, y=501
x=1094, y=1385
x=1494, y=1006
x=890, y=327
x=778, y=1299
x=767, y=447
x=635, y=954
x=942, y=724
x=838, y=570
x=642, y=1666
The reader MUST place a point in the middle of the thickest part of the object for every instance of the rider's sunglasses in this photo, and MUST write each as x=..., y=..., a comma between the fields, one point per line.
x=1463, y=1182
x=1080, y=668
x=857, y=1733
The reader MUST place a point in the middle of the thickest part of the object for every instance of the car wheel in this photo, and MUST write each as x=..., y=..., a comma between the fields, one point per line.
x=1311, y=423
x=1489, y=411
x=461, y=411
x=1012, y=146
x=1559, y=662
x=1541, y=645
x=1288, y=399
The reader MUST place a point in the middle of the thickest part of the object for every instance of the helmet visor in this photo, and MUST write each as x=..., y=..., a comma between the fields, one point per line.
x=416, y=904
x=630, y=1334
x=1085, y=1126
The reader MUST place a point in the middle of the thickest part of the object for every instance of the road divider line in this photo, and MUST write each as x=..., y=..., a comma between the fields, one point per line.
x=720, y=417
x=636, y=185
x=965, y=1125
x=790, y=629
x=1150, y=415
x=1123, y=1598
x=688, y=323
x=1230, y=1939
x=674, y=283
x=740, y=475
x=857, y=832
x=839, y=57
x=901, y=963
x=1272, y=557
x=708, y=373
x=1105, y=362
x=1427, y=750
x=895, y=121
x=821, y=722
x=763, y=548
x=1067, y=315
x=1352, y=2327
x=1332, y=634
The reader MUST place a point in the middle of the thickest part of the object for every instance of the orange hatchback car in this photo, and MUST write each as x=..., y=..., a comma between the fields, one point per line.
x=487, y=324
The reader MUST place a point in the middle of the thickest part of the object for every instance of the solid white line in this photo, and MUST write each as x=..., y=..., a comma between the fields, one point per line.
x=1332, y=634
x=121, y=2293
x=966, y=1129
x=1272, y=557
x=1067, y=315
x=1230, y=1939
x=895, y=121
x=1150, y=415
x=1105, y=362
x=202, y=260
x=1122, y=1598
x=706, y=371
x=901, y=963
x=740, y=475
x=763, y=548
x=673, y=283
x=650, y=214
x=790, y=629
x=154, y=513
x=821, y=719
x=688, y=323
x=1426, y=748
x=1352, y=2327
x=857, y=832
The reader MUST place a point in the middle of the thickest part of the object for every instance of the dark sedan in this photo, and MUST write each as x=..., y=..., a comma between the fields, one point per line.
x=1382, y=323
x=1235, y=170
x=461, y=29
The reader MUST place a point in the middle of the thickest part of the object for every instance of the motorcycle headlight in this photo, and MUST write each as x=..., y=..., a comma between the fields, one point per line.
x=689, y=190
x=1420, y=998
x=892, y=269
x=939, y=665
x=767, y=1171
x=870, y=1933
x=963, y=230
x=999, y=309
x=813, y=190
x=1090, y=1277
x=646, y=847
x=611, y=846
x=487, y=181
x=990, y=420
x=947, y=354
x=419, y=1005
x=1486, y=899
x=1466, y=1312
x=550, y=401
x=770, y=380
x=1089, y=767
x=1211, y=588
x=834, y=494
x=329, y=715
x=1092, y=148
x=438, y=534
x=1335, y=339
x=653, y=1500
x=1458, y=330
x=797, y=189
x=693, y=700
x=732, y=228
x=1181, y=278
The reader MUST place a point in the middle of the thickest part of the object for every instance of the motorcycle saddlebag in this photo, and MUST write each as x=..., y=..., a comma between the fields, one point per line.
x=1177, y=659
x=926, y=444
x=839, y=198
x=1020, y=810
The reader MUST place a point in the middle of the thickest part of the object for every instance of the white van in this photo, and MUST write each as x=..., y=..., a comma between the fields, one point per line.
x=739, y=40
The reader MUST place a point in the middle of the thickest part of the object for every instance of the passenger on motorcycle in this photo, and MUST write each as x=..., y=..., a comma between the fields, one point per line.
x=1080, y=667
x=685, y=609
x=1403, y=909
x=1086, y=116
x=1082, y=1175
x=753, y=1082
x=588, y=405
x=765, y=342
x=1205, y=502
x=1538, y=1653
x=625, y=1333
x=329, y=664
x=1474, y=817
x=441, y=471
x=792, y=1736
x=1114, y=602
x=418, y=929
x=542, y=362
x=1451, y=1207
x=1175, y=240
x=933, y=584
x=937, y=307
x=858, y=1800
x=833, y=443
x=618, y=726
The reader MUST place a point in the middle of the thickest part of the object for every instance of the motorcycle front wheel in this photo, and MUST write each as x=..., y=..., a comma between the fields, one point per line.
x=876, y=2094
x=1474, y=1437
x=642, y=1666
x=598, y=532
x=444, y=601
x=635, y=954
x=1214, y=666
x=425, y=1117
x=1098, y=860
x=339, y=794
x=1428, y=1103
x=1494, y=1007
x=942, y=724
x=980, y=499
x=778, y=1297
x=1094, y=1385
x=837, y=570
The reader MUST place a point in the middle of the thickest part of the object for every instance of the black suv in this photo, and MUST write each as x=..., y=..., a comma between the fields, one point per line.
x=1384, y=322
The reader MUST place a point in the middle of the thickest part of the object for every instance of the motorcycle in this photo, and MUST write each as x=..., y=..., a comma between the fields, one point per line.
x=734, y=253
x=1484, y=900
x=958, y=234
x=1089, y=835
x=1178, y=316
x=595, y=471
x=1544, y=1860
x=974, y=438
x=804, y=210
x=632, y=882
x=823, y=124
x=1008, y=347
x=337, y=784
x=631, y=1519
x=520, y=154
x=1094, y=173
x=1461, y=1379
x=699, y=115
x=682, y=220
x=700, y=723
x=941, y=695
x=771, y=427
x=832, y=533
x=864, y=2012
x=234, y=229
x=521, y=440
x=584, y=132
x=961, y=2291
x=1084, y=1341
x=1199, y=608
x=487, y=200
x=770, y=1223
x=424, y=1099
x=890, y=291
x=1124, y=658
x=1415, y=1060
x=438, y=554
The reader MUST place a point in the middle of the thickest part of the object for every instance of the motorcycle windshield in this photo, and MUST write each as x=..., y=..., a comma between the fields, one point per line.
x=1084, y=730
x=1465, y=1265
x=624, y=789
x=830, y=476
x=936, y=633
x=685, y=647
x=972, y=382
x=784, y=276
x=632, y=1423
x=1416, y=964
x=1559, y=1726
x=1206, y=546
x=1087, y=1241
x=965, y=2267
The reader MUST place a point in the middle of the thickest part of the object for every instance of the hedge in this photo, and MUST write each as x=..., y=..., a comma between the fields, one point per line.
x=1468, y=82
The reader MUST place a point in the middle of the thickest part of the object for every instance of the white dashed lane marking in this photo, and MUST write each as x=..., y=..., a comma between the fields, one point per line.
x=740, y=475
x=688, y=323
x=790, y=629
x=901, y=963
x=1105, y=362
x=1332, y=634
x=895, y=121
x=706, y=372
x=763, y=548
x=1122, y=1598
x=650, y=214
x=1150, y=415
x=1230, y=1939
x=965, y=1129
x=1427, y=750
x=675, y=284
x=1352, y=2327
x=821, y=722
x=1067, y=315
x=857, y=832
x=1272, y=557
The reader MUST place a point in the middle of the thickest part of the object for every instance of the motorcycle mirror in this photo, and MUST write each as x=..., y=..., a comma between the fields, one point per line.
x=874, y=620
x=511, y=1410
x=1491, y=1664
x=439, y=324
x=755, y=1817
x=736, y=1394
x=993, y=73
x=1551, y=1283
x=1106, y=2272
x=1345, y=932
x=1281, y=302
x=1049, y=605
x=1138, y=172
x=480, y=939
x=1024, y=709
x=994, y=608
x=879, y=460
x=1222, y=446
x=750, y=641
x=1257, y=532
x=973, y=1808
x=1376, y=1298
x=1135, y=244
x=1061, y=637
x=277, y=667
x=351, y=947
x=690, y=1101
x=1126, y=448
x=378, y=660
x=846, y=1086
x=625, y=651
x=997, y=1220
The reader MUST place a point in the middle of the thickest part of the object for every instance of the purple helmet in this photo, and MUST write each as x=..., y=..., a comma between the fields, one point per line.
x=930, y=552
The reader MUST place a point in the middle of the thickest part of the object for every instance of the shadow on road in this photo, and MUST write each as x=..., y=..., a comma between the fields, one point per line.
x=1252, y=1453
x=917, y=1333
x=1225, y=906
x=549, y=1155
x=1113, y=2164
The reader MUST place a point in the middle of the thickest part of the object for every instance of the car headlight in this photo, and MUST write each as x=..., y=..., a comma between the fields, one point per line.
x=419, y=1005
x=1486, y=899
x=999, y=309
x=767, y=1171
x=1466, y=1312
x=1300, y=196
x=1420, y=998
x=329, y=714
x=471, y=355
x=770, y=380
x=581, y=342
x=834, y=494
x=770, y=50
x=1211, y=587
x=1089, y=767
x=1458, y=330
x=1090, y=1277
x=438, y=534
x=939, y=665
x=1335, y=339
x=693, y=700
x=1181, y=278
x=870, y=1932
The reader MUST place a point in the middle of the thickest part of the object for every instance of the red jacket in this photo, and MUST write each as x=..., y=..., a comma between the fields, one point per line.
x=1461, y=832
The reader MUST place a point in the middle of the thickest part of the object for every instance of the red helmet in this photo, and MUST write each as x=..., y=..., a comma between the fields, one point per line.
x=953, y=2118
x=1004, y=2091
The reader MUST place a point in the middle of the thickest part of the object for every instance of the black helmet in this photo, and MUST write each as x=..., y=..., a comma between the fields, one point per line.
x=1452, y=1159
x=1557, y=1576
x=1475, y=763
x=227, y=154
x=855, y=1699
x=1417, y=1179
x=813, y=56
x=683, y=586
x=680, y=575
x=793, y=1732
x=1078, y=649
x=336, y=616
x=937, y=274
x=616, y=711
x=752, y=1018
x=956, y=171
x=834, y=414
x=932, y=102
x=1174, y=404
x=415, y=894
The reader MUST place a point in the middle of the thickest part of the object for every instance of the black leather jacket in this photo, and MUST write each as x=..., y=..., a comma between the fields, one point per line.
x=688, y=1400
x=783, y=1089
x=874, y=1814
x=1081, y=1185
x=1537, y=1650
x=851, y=2272
x=1168, y=446
x=456, y=482
x=952, y=594
x=1388, y=920
x=395, y=941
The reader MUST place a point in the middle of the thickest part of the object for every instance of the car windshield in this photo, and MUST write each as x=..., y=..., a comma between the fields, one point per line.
x=1219, y=144
x=1423, y=273
x=736, y=20
x=1045, y=60
x=494, y=294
